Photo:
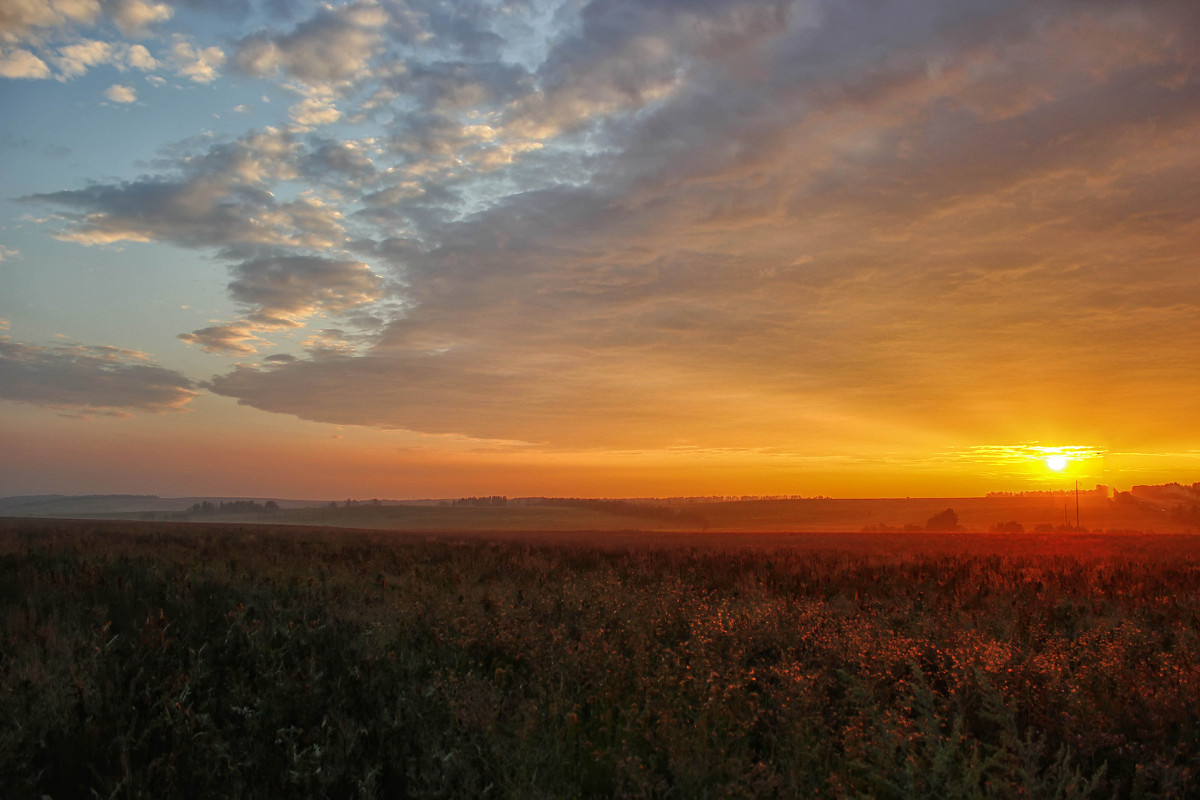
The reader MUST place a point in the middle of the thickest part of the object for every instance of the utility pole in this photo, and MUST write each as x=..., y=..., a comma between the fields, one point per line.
x=1076, y=505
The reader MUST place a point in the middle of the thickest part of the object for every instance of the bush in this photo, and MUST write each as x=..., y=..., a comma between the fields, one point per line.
x=943, y=521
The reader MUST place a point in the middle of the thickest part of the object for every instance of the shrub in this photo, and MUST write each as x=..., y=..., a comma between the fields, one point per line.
x=943, y=521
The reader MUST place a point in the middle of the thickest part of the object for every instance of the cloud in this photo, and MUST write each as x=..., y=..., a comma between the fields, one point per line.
x=234, y=10
x=76, y=59
x=235, y=338
x=330, y=343
x=339, y=162
x=556, y=399
x=312, y=112
x=200, y=212
x=90, y=378
x=285, y=288
x=133, y=17
x=1027, y=452
x=138, y=57
x=630, y=55
x=748, y=224
x=221, y=197
x=20, y=18
x=121, y=94
x=29, y=20
x=281, y=292
x=220, y=203
x=333, y=46
x=445, y=86
x=792, y=229
x=198, y=64
x=20, y=63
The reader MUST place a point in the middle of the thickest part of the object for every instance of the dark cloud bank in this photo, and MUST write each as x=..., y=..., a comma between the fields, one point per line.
x=89, y=379
x=670, y=218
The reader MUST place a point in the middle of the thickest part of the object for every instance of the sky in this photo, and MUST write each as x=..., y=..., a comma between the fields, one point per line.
x=639, y=248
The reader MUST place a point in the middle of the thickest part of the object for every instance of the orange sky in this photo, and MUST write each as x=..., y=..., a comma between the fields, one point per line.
x=611, y=248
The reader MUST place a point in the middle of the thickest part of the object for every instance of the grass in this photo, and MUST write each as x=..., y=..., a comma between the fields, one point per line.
x=148, y=660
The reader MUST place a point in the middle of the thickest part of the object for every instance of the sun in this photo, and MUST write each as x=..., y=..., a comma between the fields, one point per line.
x=1057, y=462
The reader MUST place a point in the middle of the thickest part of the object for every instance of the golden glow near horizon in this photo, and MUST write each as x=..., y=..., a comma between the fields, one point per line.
x=1057, y=462
x=1042, y=465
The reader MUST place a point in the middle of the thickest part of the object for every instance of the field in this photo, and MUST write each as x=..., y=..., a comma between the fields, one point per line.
x=819, y=515
x=184, y=659
x=762, y=516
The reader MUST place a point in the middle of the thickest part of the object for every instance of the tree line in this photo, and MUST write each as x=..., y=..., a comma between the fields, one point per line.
x=208, y=507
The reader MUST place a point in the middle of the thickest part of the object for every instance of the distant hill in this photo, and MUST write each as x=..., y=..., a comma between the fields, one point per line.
x=1166, y=509
x=55, y=504
x=116, y=506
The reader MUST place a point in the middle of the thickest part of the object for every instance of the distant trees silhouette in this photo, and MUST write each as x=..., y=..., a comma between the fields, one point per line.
x=943, y=521
x=494, y=500
x=208, y=507
x=630, y=509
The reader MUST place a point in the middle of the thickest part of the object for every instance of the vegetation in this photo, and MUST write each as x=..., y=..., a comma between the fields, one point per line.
x=943, y=521
x=1170, y=508
x=635, y=510
x=233, y=507
x=208, y=660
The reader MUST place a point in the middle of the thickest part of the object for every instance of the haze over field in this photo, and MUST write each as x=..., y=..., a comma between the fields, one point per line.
x=607, y=248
